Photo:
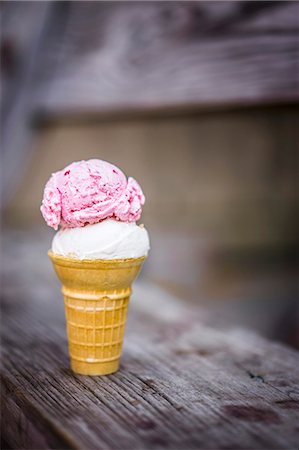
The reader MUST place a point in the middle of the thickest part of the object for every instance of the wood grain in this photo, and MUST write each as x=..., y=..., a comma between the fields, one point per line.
x=114, y=57
x=184, y=382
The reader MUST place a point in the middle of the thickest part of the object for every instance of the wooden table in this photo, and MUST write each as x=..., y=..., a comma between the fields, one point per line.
x=185, y=382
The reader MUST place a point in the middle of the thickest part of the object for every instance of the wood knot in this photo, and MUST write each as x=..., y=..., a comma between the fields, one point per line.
x=288, y=404
x=149, y=384
x=256, y=377
x=252, y=414
x=145, y=424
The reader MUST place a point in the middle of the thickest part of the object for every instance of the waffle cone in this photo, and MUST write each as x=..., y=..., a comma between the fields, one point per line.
x=96, y=296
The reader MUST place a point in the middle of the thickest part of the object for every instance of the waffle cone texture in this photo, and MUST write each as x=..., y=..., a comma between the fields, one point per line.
x=96, y=296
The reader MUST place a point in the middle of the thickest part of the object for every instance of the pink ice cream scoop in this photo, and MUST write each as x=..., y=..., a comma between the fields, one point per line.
x=87, y=192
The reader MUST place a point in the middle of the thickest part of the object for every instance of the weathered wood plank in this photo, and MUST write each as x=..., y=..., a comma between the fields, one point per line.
x=128, y=56
x=184, y=382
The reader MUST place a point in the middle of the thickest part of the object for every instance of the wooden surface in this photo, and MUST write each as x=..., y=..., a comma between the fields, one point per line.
x=185, y=382
x=122, y=57
x=113, y=57
x=104, y=60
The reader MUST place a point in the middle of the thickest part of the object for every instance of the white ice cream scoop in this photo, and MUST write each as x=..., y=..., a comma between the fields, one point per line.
x=109, y=239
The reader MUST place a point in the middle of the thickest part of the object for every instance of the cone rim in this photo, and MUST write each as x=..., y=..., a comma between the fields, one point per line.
x=76, y=262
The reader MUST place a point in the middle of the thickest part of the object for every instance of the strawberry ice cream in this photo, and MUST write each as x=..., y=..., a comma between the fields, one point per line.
x=87, y=193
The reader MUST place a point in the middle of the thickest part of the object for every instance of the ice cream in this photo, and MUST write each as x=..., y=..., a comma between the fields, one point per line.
x=97, y=254
x=87, y=192
x=109, y=239
x=97, y=208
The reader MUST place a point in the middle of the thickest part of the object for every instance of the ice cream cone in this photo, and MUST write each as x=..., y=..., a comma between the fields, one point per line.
x=96, y=295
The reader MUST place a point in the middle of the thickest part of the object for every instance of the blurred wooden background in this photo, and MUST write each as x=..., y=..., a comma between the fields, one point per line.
x=230, y=175
x=197, y=100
